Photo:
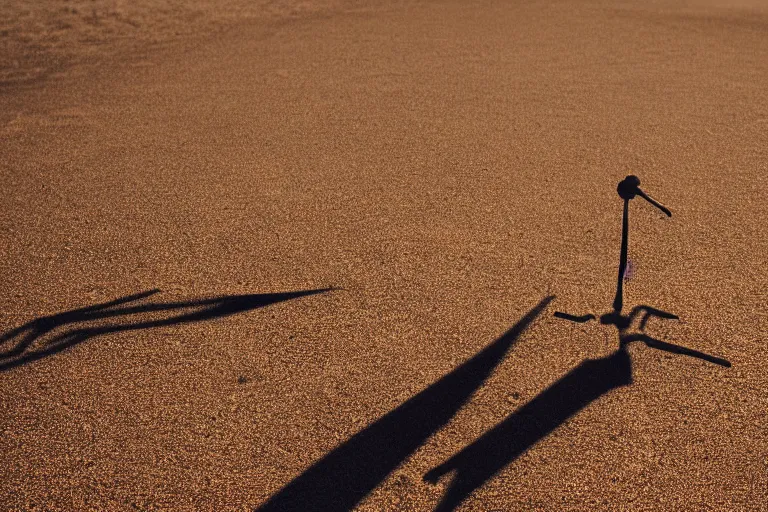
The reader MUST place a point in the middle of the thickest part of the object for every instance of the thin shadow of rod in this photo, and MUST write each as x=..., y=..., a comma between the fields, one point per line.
x=181, y=312
x=346, y=475
x=41, y=326
x=618, y=301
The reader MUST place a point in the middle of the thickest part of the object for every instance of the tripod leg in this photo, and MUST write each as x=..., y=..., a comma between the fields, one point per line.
x=675, y=349
x=655, y=312
x=649, y=312
x=578, y=319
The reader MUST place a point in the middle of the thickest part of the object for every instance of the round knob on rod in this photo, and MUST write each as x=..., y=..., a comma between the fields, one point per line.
x=628, y=187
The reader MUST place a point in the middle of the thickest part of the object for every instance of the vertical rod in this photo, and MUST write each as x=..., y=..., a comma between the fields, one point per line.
x=618, y=302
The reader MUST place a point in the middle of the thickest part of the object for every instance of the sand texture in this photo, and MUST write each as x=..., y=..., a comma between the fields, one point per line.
x=306, y=255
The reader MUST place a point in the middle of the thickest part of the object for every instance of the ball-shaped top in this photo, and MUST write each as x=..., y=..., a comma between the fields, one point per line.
x=628, y=187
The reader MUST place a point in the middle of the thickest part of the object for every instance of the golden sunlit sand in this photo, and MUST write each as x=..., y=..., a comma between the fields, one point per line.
x=307, y=255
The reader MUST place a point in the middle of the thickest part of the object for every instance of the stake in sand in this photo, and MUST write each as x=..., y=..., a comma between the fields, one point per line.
x=628, y=189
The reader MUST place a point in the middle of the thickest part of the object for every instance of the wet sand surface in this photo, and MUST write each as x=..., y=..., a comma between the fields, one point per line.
x=311, y=259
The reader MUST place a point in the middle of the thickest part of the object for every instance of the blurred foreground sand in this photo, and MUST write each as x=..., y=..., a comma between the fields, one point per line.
x=38, y=38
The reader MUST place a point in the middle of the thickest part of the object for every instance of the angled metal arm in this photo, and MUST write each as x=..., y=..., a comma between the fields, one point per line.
x=654, y=202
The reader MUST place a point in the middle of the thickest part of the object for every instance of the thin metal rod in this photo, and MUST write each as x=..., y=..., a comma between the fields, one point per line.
x=618, y=302
x=654, y=202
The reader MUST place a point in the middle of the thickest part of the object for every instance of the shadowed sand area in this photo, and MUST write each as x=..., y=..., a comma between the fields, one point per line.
x=436, y=169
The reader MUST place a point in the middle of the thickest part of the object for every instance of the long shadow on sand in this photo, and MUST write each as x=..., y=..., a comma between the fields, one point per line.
x=593, y=378
x=341, y=479
x=500, y=446
x=123, y=318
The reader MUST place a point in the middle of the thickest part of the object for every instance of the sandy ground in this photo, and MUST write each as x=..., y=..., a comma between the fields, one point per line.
x=44, y=39
x=178, y=177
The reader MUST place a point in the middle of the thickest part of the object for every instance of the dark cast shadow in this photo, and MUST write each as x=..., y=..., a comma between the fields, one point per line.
x=37, y=339
x=593, y=378
x=346, y=475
